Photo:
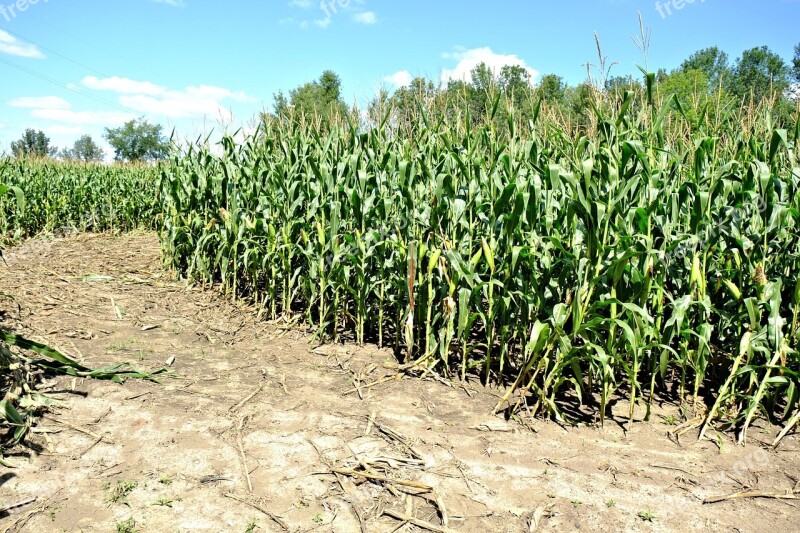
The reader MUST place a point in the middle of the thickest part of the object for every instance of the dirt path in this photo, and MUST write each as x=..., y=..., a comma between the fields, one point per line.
x=172, y=457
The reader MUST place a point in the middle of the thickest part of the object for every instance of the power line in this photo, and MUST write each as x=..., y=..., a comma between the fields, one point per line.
x=54, y=81
x=62, y=56
x=128, y=60
x=76, y=38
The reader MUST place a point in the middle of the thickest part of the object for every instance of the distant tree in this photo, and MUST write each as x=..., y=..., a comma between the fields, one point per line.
x=418, y=88
x=406, y=101
x=759, y=72
x=378, y=107
x=281, y=105
x=713, y=63
x=552, y=89
x=321, y=99
x=515, y=82
x=695, y=93
x=331, y=86
x=482, y=78
x=578, y=101
x=458, y=94
x=33, y=144
x=138, y=140
x=84, y=149
x=482, y=94
x=689, y=86
x=618, y=85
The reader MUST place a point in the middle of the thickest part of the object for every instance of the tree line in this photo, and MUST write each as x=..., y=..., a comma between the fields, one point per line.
x=135, y=141
x=707, y=82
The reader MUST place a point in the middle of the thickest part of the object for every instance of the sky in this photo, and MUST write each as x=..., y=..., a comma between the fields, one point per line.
x=72, y=67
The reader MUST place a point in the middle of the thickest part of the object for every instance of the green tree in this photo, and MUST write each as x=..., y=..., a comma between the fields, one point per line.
x=713, y=63
x=482, y=93
x=406, y=100
x=578, y=101
x=33, y=144
x=515, y=82
x=689, y=86
x=482, y=78
x=85, y=149
x=321, y=99
x=760, y=73
x=697, y=95
x=281, y=105
x=618, y=85
x=138, y=140
x=458, y=94
x=331, y=87
x=552, y=89
x=378, y=107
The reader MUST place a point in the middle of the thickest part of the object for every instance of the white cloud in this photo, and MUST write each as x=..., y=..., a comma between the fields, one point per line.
x=173, y=3
x=63, y=125
x=123, y=85
x=469, y=59
x=12, y=46
x=219, y=93
x=204, y=101
x=203, y=107
x=142, y=98
x=43, y=102
x=366, y=17
x=177, y=106
x=68, y=121
x=331, y=9
x=399, y=79
x=306, y=23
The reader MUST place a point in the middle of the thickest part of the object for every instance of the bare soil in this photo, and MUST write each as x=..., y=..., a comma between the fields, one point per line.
x=247, y=433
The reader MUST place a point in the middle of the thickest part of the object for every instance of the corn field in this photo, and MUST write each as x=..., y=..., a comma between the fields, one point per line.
x=652, y=255
x=60, y=198
x=649, y=254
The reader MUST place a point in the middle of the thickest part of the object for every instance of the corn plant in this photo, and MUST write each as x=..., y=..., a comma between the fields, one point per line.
x=61, y=198
x=625, y=262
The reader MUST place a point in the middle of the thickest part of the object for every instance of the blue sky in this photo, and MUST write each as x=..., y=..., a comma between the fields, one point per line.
x=72, y=67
